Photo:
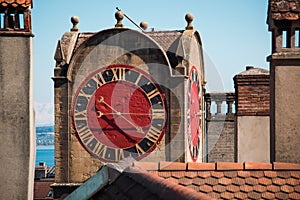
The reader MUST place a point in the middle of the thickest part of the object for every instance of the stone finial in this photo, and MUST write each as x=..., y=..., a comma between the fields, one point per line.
x=75, y=21
x=144, y=25
x=119, y=17
x=189, y=18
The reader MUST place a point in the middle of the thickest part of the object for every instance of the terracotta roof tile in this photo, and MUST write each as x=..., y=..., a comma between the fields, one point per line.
x=204, y=174
x=227, y=195
x=16, y=3
x=229, y=166
x=287, y=189
x=205, y=188
x=191, y=174
x=257, y=174
x=217, y=174
x=198, y=181
x=270, y=174
x=193, y=187
x=284, y=174
x=294, y=195
x=246, y=188
x=211, y=181
x=259, y=188
x=254, y=195
x=268, y=195
x=278, y=181
x=281, y=195
x=165, y=174
x=230, y=174
x=232, y=188
x=201, y=166
x=214, y=195
x=285, y=166
x=256, y=166
x=251, y=181
x=239, y=181
x=243, y=174
x=225, y=181
x=295, y=174
x=178, y=174
x=292, y=181
x=273, y=188
x=265, y=181
x=297, y=188
x=185, y=181
x=240, y=195
x=219, y=188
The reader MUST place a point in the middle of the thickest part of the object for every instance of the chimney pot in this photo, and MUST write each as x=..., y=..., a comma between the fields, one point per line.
x=249, y=67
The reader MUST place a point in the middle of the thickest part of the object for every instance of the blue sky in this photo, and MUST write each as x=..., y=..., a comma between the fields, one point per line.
x=234, y=33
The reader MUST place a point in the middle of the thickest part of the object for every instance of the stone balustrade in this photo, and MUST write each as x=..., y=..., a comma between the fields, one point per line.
x=224, y=103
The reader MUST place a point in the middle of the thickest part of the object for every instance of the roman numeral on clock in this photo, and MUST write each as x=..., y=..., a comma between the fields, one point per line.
x=100, y=150
x=85, y=95
x=80, y=115
x=152, y=93
x=118, y=74
x=153, y=134
x=98, y=78
x=158, y=113
x=140, y=151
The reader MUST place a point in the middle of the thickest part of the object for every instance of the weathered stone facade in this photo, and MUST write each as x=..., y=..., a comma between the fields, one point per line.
x=220, y=128
x=284, y=23
x=17, y=133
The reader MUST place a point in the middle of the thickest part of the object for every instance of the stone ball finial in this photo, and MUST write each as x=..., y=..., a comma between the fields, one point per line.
x=144, y=25
x=75, y=21
x=119, y=17
x=189, y=19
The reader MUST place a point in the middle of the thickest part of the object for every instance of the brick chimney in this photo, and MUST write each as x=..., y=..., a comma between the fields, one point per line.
x=252, y=88
x=252, y=109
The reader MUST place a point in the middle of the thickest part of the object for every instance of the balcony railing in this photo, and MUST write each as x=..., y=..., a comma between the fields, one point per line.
x=220, y=105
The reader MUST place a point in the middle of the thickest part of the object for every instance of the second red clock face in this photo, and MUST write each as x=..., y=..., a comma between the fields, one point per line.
x=194, y=114
x=118, y=112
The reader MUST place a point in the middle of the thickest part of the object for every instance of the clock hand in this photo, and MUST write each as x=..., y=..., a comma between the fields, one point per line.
x=139, y=129
x=99, y=114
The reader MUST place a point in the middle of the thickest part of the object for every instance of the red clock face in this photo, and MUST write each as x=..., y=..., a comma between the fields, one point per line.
x=118, y=112
x=194, y=114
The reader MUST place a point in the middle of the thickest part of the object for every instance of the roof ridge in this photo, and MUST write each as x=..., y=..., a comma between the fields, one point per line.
x=218, y=166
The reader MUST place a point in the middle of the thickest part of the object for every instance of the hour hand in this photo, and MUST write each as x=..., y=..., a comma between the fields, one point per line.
x=139, y=129
x=99, y=114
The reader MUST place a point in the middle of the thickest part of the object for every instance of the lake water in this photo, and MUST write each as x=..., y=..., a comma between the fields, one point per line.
x=45, y=154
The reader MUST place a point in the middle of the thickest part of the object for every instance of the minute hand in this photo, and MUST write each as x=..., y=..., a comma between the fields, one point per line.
x=139, y=129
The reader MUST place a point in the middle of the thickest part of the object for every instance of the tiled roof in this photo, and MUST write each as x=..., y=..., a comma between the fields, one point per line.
x=41, y=190
x=81, y=38
x=134, y=183
x=165, y=38
x=16, y=3
x=233, y=180
x=173, y=180
x=285, y=9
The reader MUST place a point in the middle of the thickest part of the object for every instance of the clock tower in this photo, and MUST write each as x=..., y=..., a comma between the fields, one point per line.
x=125, y=93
